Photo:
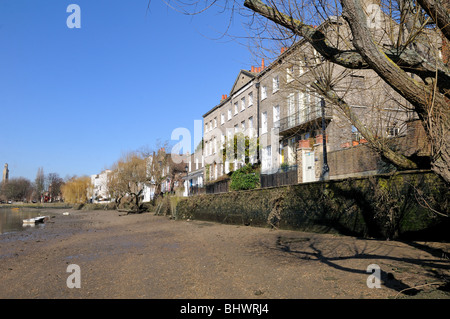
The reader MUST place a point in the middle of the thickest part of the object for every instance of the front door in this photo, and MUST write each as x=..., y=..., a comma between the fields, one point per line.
x=309, y=174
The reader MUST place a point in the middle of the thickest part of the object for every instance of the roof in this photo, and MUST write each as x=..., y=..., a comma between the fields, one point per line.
x=238, y=84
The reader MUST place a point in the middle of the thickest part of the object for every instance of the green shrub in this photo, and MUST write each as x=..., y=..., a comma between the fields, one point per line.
x=244, y=178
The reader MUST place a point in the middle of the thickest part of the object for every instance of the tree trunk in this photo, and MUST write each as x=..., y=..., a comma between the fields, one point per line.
x=431, y=106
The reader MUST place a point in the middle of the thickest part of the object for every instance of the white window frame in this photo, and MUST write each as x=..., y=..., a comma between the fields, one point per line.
x=275, y=84
x=276, y=114
x=301, y=67
x=264, y=122
x=263, y=92
x=250, y=99
x=289, y=74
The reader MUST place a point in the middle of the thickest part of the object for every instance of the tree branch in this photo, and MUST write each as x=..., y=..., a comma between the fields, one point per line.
x=439, y=13
x=407, y=59
x=375, y=143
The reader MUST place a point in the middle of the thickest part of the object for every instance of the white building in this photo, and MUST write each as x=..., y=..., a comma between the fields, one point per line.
x=100, y=187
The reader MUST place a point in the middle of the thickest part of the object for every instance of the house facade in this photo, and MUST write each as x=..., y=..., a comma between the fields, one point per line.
x=279, y=108
x=193, y=181
x=236, y=114
x=99, y=184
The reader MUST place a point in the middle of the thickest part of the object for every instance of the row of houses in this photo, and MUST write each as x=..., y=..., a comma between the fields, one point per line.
x=293, y=129
x=283, y=124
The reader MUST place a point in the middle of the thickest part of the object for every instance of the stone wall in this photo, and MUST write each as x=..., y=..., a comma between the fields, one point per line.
x=378, y=206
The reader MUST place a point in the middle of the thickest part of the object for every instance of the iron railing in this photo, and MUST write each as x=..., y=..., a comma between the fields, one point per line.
x=308, y=114
x=282, y=177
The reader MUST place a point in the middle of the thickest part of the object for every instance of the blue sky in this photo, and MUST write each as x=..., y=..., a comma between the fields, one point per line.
x=74, y=100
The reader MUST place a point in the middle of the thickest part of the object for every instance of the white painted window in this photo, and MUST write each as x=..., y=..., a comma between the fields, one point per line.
x=289, y=74
x=263, y=92
x=264, y=122
x=229, y=114
x=276, y=84
x=276, y=115
x=266, y=158
x=242, y=104
x=302, y=107
x=222, y=118
x=250, y=99
x=291, y=109
x=236, y=108
x=301, y=67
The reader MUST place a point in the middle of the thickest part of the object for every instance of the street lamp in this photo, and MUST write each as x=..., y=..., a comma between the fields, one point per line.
x=187, y=179
x=325, y=168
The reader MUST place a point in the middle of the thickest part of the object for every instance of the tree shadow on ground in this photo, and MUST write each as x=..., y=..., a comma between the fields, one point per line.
x=311, y=250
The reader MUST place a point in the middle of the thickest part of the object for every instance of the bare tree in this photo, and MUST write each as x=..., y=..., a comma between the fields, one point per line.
x=406, y=53
x=128, y=177
x=17, y=189
x=54, y=182
x=158, y=167
x=39, y=184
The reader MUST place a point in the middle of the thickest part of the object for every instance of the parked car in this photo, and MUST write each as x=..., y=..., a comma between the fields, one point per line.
x=10, y=202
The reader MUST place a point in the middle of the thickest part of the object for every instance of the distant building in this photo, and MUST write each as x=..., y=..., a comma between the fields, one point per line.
x=193, y=181
x=5, y=173
x=168, y=174
x=100, y=186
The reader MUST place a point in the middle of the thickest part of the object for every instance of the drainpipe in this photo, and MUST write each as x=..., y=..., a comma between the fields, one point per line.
x=257, y=120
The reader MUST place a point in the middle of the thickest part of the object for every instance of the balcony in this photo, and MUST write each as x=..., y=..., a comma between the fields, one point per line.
x=302, y=119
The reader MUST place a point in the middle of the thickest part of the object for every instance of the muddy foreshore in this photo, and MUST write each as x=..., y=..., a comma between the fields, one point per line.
x=147, y=256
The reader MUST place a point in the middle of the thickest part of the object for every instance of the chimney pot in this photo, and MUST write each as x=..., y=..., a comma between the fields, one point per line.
x=262, y=64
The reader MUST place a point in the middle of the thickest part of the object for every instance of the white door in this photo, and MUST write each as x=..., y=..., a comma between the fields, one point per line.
x=309, y=174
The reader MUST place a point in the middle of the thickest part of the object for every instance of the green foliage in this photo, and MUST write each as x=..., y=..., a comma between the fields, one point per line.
x=284, y=167
x=207, y=172
x=244, y=178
